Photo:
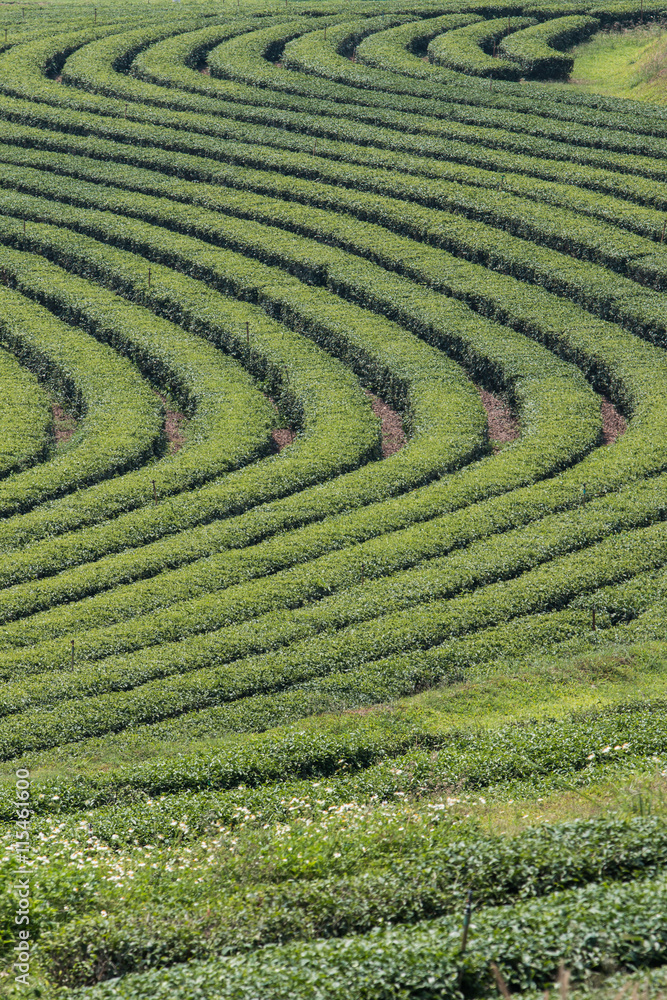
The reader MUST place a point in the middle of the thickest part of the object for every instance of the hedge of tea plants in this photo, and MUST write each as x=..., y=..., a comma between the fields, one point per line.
x=357, y=326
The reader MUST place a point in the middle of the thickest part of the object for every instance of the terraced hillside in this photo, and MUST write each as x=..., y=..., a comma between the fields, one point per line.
x=334, y=376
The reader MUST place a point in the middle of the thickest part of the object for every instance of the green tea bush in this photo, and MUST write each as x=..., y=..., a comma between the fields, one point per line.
x=466, y=49
x=122, y=419
x=535, y=48
x=25, y=417
x=404, y=890
x=592, y=926
x=266, y=209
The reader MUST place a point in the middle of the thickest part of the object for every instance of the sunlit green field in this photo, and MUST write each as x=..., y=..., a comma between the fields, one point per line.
x=627, y=63
x=333, y=500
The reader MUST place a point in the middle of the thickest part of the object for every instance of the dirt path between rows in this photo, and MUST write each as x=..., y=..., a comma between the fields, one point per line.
x=174, y=428
x=503, y=425
x=613, y=424
x=64, y=424
x=282, y=436
x=393, y=435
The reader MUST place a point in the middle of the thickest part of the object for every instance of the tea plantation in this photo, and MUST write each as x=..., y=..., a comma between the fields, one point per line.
x=333, y=503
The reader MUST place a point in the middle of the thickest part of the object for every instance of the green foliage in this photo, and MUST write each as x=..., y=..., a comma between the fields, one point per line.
x=591, y=926
x=192, y=645
x=534, y=48
x=206, y=384
x=25, y=417
x=383, y=756
x=466, y=49
x=396, y=889
x=122, y=425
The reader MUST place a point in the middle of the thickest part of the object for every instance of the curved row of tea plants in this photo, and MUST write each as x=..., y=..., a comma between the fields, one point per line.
x=25, y=417
x=288, y=208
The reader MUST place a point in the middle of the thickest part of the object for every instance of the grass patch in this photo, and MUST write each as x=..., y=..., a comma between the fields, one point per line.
x=630, y=63
x=319, y=858
x=491, y=695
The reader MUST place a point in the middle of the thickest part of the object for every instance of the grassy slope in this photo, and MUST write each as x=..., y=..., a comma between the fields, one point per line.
x=323, y=843
x=625, y=64
x=492, y=695
x=629, y=63
x=545, y=687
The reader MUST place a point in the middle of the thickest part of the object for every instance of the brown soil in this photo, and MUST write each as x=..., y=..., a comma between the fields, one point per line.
x=64, y=424
x=173, y=427
x=613, y=424
x=393, y=435
x=205, y=71
x=503, y=425
x=282, y=436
